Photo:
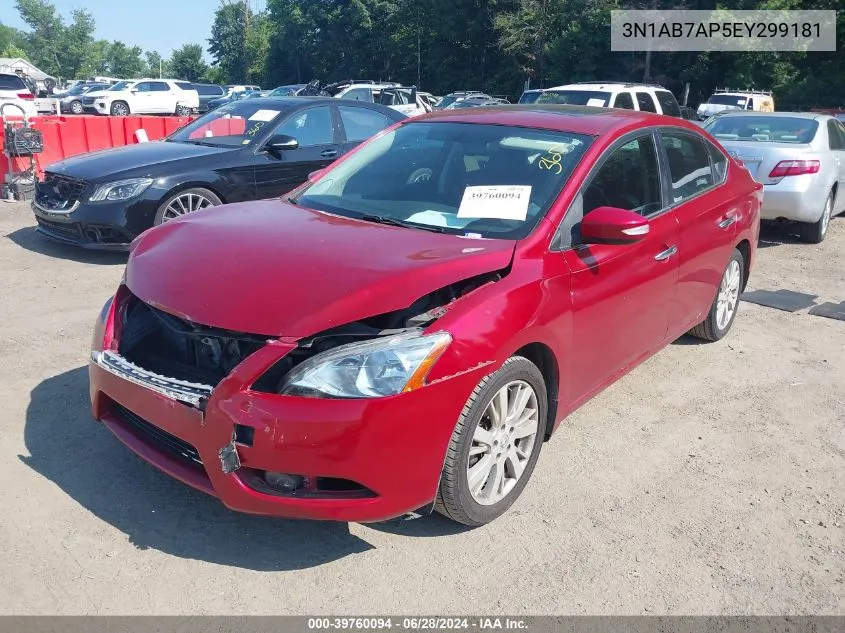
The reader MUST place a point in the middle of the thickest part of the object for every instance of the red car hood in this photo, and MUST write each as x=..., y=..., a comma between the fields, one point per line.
x=275, y=269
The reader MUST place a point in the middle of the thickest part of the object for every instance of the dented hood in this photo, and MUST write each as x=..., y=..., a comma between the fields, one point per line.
x=274, y=269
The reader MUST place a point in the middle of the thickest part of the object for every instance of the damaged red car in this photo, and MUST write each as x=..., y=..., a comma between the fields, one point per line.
x=404, y=331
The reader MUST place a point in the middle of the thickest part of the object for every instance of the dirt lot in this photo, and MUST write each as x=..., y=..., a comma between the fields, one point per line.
x=710, y=480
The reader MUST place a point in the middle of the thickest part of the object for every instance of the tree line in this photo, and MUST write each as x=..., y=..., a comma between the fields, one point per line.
x=440, y=45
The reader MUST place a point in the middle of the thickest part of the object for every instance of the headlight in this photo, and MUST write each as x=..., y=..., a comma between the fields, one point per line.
x=373, y=369
x=121, y=190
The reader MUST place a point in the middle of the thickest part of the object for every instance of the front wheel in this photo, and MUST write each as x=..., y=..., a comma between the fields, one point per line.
x=495, y=444
x=76, y=107
x=726, y=304
x=119, y=108
x=185, y=202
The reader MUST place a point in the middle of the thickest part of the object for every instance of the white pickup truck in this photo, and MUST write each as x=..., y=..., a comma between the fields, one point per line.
x=144, y=96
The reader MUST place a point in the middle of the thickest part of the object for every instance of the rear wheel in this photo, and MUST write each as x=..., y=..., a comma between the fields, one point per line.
x=183, y=110
x=119, y=108
x=815, y=232
x=726, y=304
x=185, y=202
x=495, y=445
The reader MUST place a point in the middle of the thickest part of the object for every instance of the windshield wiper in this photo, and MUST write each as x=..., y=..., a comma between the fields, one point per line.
x=195, y=142
x=382, y=219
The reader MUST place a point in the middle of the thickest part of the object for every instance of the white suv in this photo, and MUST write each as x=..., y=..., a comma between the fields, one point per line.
x=145, y=96
x=403, y=99
x=13, y=91
x=643, y=97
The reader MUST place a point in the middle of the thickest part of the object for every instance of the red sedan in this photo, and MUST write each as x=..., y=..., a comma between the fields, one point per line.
x=405, y=330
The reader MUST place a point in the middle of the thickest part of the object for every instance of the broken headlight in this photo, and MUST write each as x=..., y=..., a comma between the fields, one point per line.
x=372, y=369
x=121, y=190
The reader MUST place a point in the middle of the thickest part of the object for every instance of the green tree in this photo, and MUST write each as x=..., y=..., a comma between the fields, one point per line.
x=156, y=66
x=125, y=61
x=187, y=63
x=13, y=52
x=10, y=36
x=54, y=47
x=227, y=44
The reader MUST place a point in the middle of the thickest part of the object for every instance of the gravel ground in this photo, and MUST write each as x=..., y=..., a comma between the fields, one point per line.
x=710, y=480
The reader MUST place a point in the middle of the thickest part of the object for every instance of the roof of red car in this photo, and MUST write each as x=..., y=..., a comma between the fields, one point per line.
x=577, y=119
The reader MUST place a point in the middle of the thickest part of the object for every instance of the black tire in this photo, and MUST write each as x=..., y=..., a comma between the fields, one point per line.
x=815, y=232
x=76, y=107
x=454, y=499
x=708, y=329
x=119, y=108
x=197, y=191
x=183, y=110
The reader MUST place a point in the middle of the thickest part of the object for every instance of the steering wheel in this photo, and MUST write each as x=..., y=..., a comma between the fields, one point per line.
x=422, y=174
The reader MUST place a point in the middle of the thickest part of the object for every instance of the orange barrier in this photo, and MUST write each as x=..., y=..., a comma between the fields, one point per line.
x=66, y=136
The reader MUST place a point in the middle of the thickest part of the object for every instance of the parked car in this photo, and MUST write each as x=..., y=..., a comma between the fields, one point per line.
x=452, y=97
x=230, y=97
x=798, y=157
x=530, y=96
x=206, y=93
x=377, y=342
x=404, y=99
x=630, y=96
x=71, y=101
x=473, y=103
x=143, y=96
x=14, y=92
x=249, y=149
x=689, y=114
x=291, y=90
x=726, y=99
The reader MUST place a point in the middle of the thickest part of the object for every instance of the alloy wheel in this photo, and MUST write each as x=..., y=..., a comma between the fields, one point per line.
x=728, y=295
x=76, y=107
x=828, y=210
x=185, y=203
x=120, y=110
x=503, y=442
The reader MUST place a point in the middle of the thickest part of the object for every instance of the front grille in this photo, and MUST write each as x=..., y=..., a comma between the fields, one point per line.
x=87, y=100
x=59, y=193
x=159, y=437
x=167, y=345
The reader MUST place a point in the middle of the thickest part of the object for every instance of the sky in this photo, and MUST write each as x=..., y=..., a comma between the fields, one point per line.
x=157, y=25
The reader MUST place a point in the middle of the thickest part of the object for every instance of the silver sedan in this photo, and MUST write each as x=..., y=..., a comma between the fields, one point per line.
x=798, y=157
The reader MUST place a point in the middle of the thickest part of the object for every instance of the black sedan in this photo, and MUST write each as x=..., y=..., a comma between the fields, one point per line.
x=246, y=150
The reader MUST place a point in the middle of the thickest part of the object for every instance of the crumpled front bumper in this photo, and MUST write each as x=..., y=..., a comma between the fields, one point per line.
x=394, y=447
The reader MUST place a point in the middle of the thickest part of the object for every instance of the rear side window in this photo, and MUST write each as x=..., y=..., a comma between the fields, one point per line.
x=361, y=124
x=645, y=102
x=689, y=165
x=719, y=161
x=834, y=136
x=184, y=85
x=668, y=103
x=12, y=82
x=624, y=100
x=209, y=90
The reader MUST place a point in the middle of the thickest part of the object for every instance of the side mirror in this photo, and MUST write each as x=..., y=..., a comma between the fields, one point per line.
x=610, y=225
x=281, y=143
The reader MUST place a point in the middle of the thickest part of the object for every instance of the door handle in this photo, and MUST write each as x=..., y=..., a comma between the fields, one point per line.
x=328, y=153
x=660, y=257
x=728, y=221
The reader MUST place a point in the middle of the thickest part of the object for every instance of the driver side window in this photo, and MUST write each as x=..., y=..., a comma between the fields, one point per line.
x=310, y=127
x=628, y=179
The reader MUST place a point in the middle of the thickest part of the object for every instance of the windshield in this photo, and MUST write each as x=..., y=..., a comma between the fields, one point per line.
x=235, y=124
x=120, y=85
x=576, y=97
x=728, y=100
x=530, y=97
x=486, y=181
x=763, y=129
x=285, y=91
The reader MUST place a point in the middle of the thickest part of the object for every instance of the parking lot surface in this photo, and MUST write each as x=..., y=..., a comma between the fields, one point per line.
x=710, y=480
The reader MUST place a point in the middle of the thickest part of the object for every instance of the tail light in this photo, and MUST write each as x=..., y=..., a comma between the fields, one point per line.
x=794, y=168
x=26, y=96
